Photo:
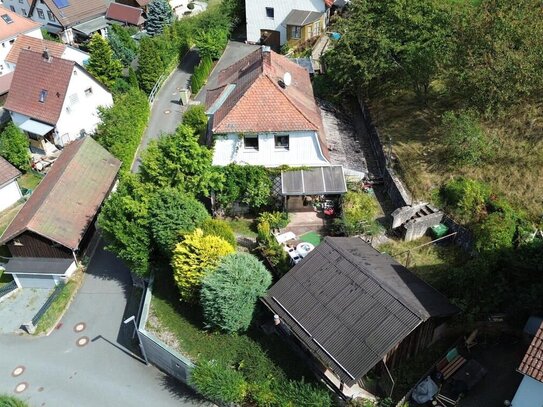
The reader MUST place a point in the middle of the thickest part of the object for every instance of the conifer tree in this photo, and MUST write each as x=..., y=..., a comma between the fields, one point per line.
x=159, y=15
x=102, y=64
x=150, y=65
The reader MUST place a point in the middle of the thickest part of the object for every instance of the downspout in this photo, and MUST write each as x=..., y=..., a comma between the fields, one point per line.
x=75, y=258
x=32, y=7
x=391, y=379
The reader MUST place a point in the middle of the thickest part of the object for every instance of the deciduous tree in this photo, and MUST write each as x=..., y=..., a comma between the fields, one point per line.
x=14, y=147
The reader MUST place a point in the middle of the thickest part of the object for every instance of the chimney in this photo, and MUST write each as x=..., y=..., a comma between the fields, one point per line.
x=266, y=56
x=46, y=56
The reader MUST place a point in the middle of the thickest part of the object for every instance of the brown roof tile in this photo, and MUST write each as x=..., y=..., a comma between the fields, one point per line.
x=56, y=49
x=67, y=200
x=7, y=172
x=34, y=75
x=19, y=24
x=5, y=83
x=125, y=14
x=259, y=103
x=532, y=363
x=78, y=11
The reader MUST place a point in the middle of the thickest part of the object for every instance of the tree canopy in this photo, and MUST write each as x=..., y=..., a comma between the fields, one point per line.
x=102, y=64
x=249, y=184
x=14, y=147
x=159, y=15
x=150, y=65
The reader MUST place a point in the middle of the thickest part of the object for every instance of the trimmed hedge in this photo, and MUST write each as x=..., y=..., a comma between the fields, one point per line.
x=201, y=72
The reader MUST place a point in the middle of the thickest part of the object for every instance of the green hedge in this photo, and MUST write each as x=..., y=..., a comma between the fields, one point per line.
x=201, y=72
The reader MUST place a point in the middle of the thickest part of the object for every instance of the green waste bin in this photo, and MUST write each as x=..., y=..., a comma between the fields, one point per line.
x=439, y=230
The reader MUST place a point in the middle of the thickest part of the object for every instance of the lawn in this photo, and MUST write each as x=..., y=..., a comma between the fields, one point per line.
x=242, y=227
x=30, y=180
x=513, y=170
x=311, y=237
x=60, y=304
x=254, y=352
x=7, y=216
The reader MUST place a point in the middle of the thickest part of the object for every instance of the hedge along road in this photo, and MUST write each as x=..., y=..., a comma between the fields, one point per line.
x=167, y=111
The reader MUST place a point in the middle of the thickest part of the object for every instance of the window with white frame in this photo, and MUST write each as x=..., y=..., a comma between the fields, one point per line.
x=250, y=142
x=295, y=32
x=40, y=13
x=282, y=141
x=50, y=16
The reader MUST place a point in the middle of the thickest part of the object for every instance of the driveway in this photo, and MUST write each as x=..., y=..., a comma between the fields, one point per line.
x=21, y=307
x=167, y=112
x=102, y=372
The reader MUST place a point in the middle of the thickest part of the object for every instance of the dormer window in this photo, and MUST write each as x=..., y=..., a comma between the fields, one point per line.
x=43, y=96
x=7, y=19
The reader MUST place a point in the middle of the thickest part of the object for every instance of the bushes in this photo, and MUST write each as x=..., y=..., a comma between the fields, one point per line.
x=248, y=184
x=495, y=232
x=300, y=394
x=201, y=72
x=230, y=292
x=14, y=147
x=196, y=118
x=276, y=220
x=359, y=212
x=9, y=401
x=193, y=258
x=271, y=249
x=466, y=198
x=218, y=382
x=122, y=126
x=211, y=43
x=220, y=228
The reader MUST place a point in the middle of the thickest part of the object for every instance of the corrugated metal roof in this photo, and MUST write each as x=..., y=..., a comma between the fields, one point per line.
x=346, y=303
x=302, y=17
x=35, y=265
x=327, y=180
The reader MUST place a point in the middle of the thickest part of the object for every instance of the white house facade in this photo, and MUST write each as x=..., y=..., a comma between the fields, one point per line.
x=295, y=148
x=270, y=15
x=10, y=192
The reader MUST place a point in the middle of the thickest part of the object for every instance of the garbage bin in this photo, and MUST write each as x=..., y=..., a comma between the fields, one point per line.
x=439, y=230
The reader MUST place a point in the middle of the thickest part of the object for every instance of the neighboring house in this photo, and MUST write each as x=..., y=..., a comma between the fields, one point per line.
x=274, y=22
x=56, y=224
x=354, y=309
x=135, y=3
x=55, y=49
x=71, y=20
x=263, y=112
x=55, y=101
x=530, y=390
x=10, y=192
x=12, y=26
x=127, y=15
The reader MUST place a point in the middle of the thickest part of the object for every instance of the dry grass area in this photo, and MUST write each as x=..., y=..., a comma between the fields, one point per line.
x=515, y=168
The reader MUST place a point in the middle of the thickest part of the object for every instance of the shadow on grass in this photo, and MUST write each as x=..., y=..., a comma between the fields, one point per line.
x=181, y=391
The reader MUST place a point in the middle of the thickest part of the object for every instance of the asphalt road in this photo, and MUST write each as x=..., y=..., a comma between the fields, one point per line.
x=103, y=372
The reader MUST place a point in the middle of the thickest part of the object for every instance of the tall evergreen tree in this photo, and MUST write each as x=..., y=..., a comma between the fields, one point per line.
x=102, y=64
x=159, y=15
x=123, y=53
x=150, y=66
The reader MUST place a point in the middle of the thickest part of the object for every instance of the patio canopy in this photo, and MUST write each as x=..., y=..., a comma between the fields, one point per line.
x=302, y=17
x=35, y=127
x=36, y=265
x=314, y=181
x=91, y=26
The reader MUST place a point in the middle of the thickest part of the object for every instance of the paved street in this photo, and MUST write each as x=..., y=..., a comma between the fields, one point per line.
x=20, y=307
x=101, y=373
x=167, y=112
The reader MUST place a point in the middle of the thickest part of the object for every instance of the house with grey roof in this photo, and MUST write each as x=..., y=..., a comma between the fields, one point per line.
x=355, y=310
x=56, y=224
x=10, y=192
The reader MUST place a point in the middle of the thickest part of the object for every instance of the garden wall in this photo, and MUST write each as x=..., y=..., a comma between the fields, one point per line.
x=157, y=352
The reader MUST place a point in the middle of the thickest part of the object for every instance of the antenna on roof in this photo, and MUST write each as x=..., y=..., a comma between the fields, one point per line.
x=287, y=79
x=45, y=55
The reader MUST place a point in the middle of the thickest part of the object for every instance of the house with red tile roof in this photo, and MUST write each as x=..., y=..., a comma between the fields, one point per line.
x=12, y=26
x=274, y=22
x=530, y=390
x=71, y=20
x=54, y=100
x=263, y=112
x=10, y=192
x=56, y=224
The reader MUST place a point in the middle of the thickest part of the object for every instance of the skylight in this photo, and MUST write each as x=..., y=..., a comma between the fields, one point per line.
x=43, y=96
x=7, y=19
x=61, y=3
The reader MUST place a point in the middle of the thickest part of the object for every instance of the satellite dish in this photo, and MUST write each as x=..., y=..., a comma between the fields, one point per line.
x=287, y=79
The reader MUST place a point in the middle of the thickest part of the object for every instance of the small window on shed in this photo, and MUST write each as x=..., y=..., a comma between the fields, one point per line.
x=270, y=12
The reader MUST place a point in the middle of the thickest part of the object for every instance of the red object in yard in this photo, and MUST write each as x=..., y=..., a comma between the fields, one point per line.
x=329, y=212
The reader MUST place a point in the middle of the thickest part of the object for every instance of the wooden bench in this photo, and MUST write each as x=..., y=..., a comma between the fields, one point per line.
x=453, y=366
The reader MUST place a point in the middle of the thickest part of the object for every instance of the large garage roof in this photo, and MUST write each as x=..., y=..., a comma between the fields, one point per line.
x=327, y=180
x=36, y=265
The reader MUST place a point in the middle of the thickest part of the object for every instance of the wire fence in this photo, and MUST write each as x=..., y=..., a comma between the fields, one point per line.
x=5, y=290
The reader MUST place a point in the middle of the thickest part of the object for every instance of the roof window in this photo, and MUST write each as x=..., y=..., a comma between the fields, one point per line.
x=43, y=96
x=7, y=19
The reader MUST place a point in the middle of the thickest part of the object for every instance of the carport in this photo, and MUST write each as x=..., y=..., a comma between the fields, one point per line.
x=34, y=272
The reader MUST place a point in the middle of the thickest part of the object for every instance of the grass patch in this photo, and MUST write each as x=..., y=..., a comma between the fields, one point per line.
x=5, y=279
x=242, y=227
x=7, y=216
x=255, y=353
x=57, y=308
x=513, y=170
x=428, y=262
x=30, y=180
x=311, y=237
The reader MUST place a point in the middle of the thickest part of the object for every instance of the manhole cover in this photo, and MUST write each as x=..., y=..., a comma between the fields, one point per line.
x=19, y=370
x=40, y=389
x=21, y=387
x=80, y=327
x=84, y=340
x=167, y=111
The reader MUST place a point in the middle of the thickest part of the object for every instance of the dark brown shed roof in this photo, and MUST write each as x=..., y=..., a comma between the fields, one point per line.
x=7, y=172
x=125, y=14
x=532, y=364
x=350, y=305
x=69, y=197
x=38, y=88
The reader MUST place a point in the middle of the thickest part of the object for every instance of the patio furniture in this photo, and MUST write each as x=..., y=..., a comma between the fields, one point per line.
x=304, y=248
x=295, y=257
x=285, y=237
x=450, y=363
x=424, y=391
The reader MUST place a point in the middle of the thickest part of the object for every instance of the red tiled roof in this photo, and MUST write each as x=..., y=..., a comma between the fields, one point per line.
x=77, y=11
x=329, y=3
x=19, y=24
x=5, y=82
x=69, y=197
x=34, y=75
x=56, y=49
x=7, y=172
x=125, y=14
x=532, y=364
x=261, y=103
